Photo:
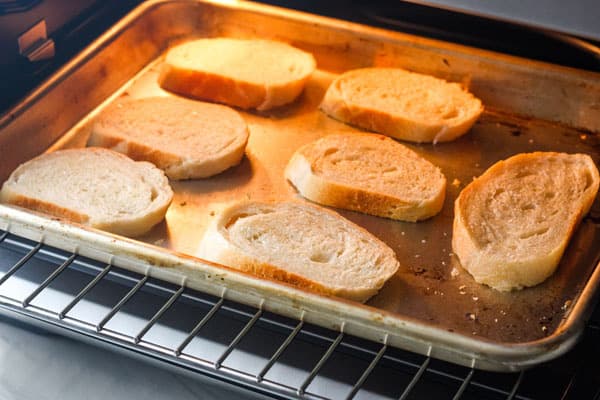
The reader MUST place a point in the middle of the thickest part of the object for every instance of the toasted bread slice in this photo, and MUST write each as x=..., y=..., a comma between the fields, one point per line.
x=513, y=223
x=402, y=104
x=301, y=244
x=92, y=186
x=246, y=73
x=185, y=138
x=369, y=173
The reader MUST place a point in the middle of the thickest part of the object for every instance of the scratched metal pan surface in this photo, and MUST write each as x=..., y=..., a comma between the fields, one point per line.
x=431, y=306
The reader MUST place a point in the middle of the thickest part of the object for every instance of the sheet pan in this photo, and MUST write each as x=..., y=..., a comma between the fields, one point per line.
x=432, y=306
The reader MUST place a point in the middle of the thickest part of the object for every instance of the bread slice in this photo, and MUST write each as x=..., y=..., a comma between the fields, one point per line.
x=185, y=138
x=369, y=173
x=402, y=104
x=301, y=244
x=513, y=223
x=245, y=73
x=92, y=186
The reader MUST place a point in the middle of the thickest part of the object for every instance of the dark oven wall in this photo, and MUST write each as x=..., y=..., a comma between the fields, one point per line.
x=458, y=28
x=70, y=25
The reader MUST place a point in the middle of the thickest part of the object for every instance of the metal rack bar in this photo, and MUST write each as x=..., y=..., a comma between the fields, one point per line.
x=199, y=326
x=20, y=263
x=322, y=361
x=231, y=373
x=237, y=339
x=3, y=236
x=464, y=385
x=48, y=280
x=515, y=387
x=84, y=291
x=415, y=379
x=260, y=376
x=158, y=314
x=366, y=373
x=121, y=302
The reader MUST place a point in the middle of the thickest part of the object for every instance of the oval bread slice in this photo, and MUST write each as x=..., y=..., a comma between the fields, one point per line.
x=92, y=186
x=246, y=73
x=368, y=173
x=402, y=104
x=301, y=244
x=513, y=223
x=185, y=138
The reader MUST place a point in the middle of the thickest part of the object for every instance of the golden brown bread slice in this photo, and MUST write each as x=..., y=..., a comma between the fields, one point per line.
x=92, y=186
x=513, y=223
x=301, y=244
x=368, y=173
x=185, y=138
x=246, y=73
x=402, y=104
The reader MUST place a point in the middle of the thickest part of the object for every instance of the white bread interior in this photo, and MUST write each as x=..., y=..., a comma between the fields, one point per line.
x=513, y=223
x=402, y=104
x=185, y=138
x=247, y=73
x=301, y=244
x=92, y=186
x=368, y=173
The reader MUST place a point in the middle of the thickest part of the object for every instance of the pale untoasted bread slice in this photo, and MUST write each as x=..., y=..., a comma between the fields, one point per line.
x=402, y=104
x=245, y=73
x=369, y=173
x=92, y=186
x=185, y=138
x=513, y=223
x=301, y=244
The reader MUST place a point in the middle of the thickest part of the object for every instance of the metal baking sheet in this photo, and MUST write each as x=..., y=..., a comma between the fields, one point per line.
x=431, y=306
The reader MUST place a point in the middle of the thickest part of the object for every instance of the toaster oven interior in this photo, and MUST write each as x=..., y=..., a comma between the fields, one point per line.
x=253, y=349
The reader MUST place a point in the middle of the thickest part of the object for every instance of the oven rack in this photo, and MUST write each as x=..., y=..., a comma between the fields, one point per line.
x=249, y=347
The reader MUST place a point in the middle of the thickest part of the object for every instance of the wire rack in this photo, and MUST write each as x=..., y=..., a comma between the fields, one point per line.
x=252, y=348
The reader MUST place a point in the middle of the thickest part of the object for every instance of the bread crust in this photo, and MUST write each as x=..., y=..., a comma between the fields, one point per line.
x=217, y=247
x=134, y=224
x=349, y=108
x=302, y=172
x=231, y=89
x=118, y=127
x=529, y=265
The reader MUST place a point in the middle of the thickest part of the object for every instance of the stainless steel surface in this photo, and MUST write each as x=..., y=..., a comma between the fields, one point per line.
x=275, y=356
x=579, y=17
x=255, y=350
x=35, y=44
x=431, y=306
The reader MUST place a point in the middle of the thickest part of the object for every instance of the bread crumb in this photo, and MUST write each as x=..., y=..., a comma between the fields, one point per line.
x=454, y=273
x=475, y=298
x=583, y=136
x=456, y=182
x=159, y=242
x=462, y=289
